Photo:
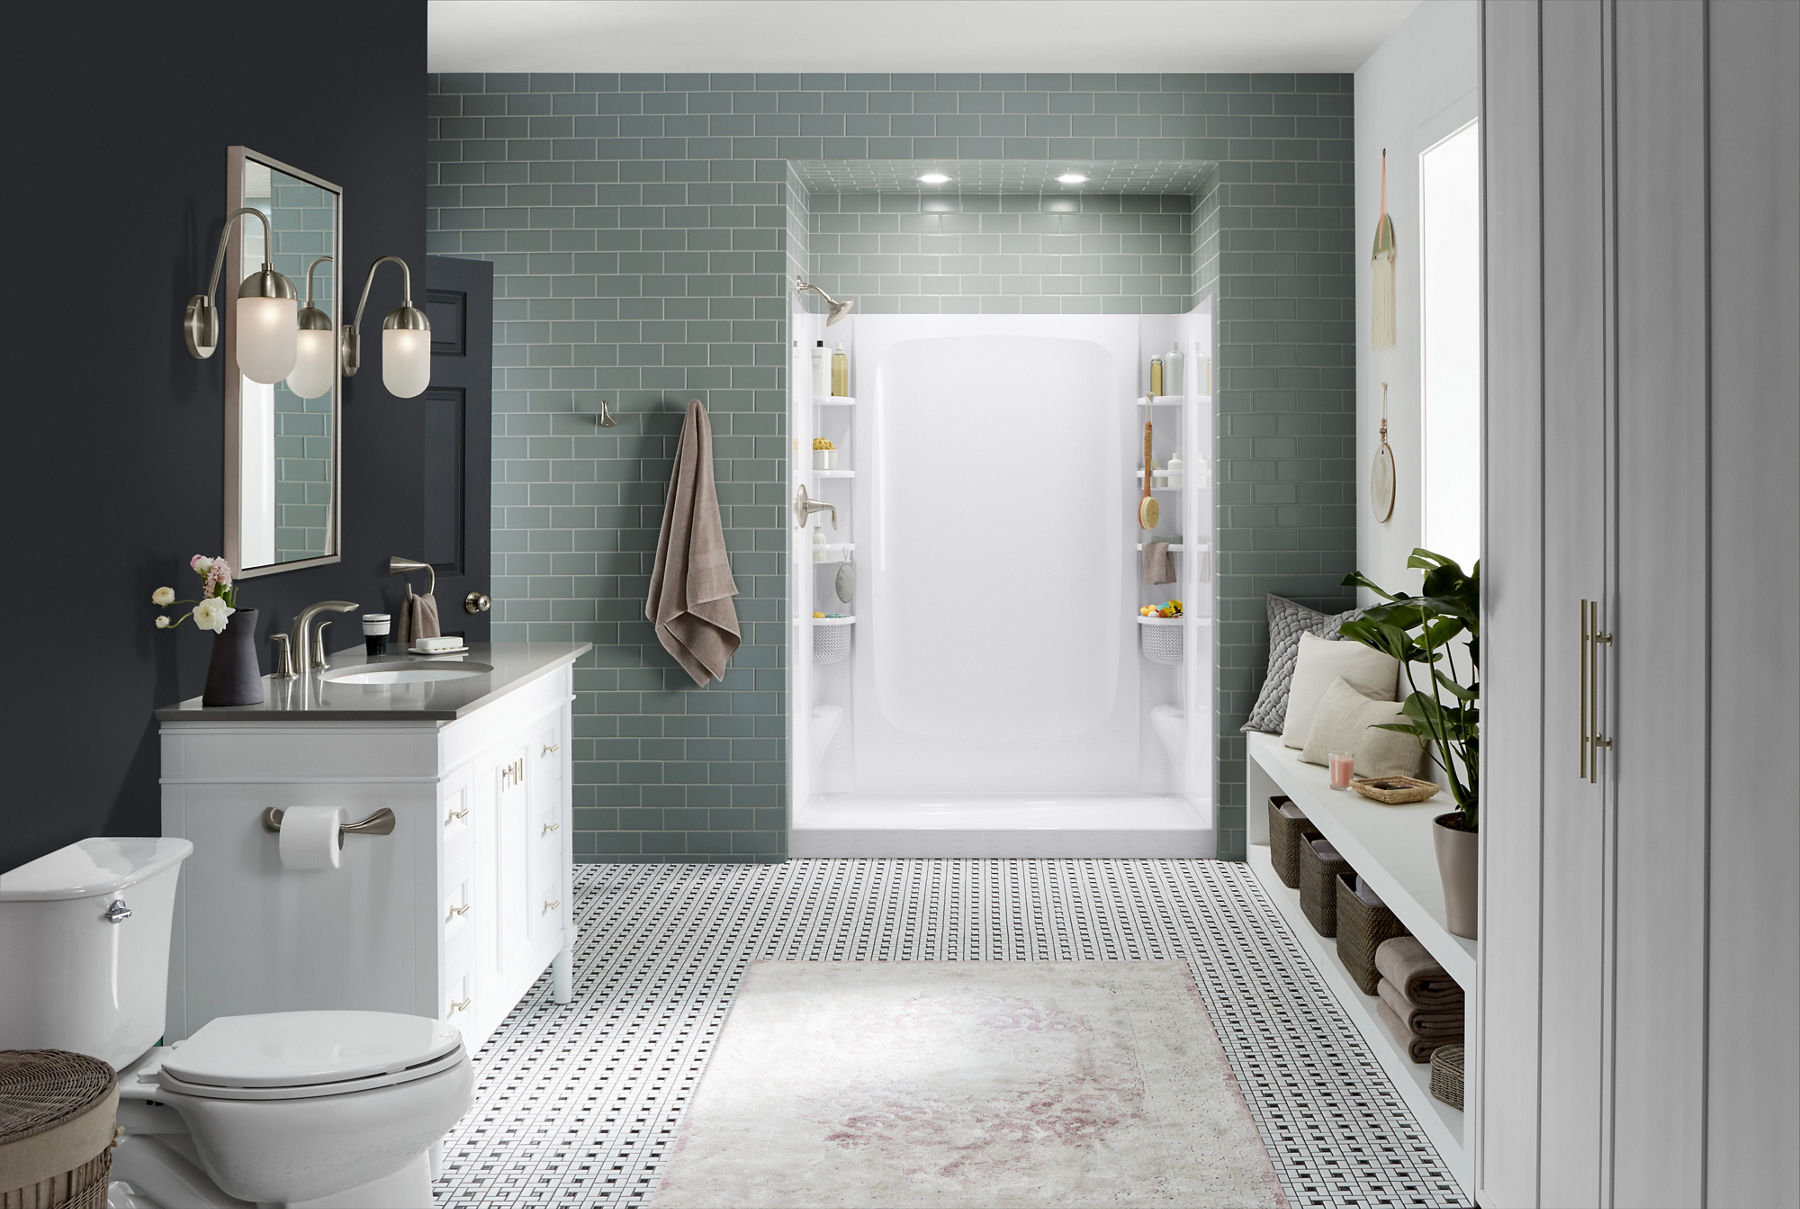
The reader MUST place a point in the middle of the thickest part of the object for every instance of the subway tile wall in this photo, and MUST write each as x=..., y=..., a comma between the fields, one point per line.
x=643, y=230
x=1005, y=254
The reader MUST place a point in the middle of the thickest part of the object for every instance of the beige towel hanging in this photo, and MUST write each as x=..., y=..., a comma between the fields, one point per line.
x=691, y=585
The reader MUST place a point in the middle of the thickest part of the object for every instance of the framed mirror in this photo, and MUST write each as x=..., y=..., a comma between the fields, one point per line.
x=283, y=480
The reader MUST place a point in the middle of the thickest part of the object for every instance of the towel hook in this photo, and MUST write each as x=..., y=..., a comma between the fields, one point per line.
x=379, y=823
x=400, y=566
x=607, y=419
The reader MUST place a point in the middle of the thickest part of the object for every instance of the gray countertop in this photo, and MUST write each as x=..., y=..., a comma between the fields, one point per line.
x=308, y=698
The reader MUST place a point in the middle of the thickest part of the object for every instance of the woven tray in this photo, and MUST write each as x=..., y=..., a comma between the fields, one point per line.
x=1360, y=931
x=1285, y=838
x=1447, y=1074
x=1318, y=888
x=1395, y=791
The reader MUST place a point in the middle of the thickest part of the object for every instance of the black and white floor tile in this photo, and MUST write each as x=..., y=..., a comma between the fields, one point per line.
x=577, y=1106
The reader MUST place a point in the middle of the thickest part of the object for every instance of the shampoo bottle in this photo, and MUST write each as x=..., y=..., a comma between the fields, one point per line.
x=1156, y=377
x=840, y=373
x=821, y=370
x=1172, y=370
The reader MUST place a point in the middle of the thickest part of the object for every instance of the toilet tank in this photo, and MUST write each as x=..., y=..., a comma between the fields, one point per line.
x=78, y=972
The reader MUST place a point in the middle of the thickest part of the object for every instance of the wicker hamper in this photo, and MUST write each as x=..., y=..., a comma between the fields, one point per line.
x=1318, y=886
x=1360, y=931
x=1285, y=837
x=58, y=1111
x=1447, y=1074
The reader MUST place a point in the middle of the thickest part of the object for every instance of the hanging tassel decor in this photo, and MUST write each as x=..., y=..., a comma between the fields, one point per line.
x=1381, y=309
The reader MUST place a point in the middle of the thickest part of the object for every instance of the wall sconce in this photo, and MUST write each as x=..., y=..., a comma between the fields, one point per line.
x=315, y=363
x=266, y=305
x=405, y=339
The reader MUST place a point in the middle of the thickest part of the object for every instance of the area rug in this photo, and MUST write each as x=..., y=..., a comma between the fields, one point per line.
x=908, y=1085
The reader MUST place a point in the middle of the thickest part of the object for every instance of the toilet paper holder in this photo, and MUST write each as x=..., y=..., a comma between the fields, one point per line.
x=379, y=823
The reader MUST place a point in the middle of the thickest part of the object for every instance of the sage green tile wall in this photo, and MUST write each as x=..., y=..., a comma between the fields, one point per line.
x=641, y=228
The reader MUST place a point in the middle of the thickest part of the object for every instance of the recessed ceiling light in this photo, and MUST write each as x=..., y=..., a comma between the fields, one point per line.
x=934, y=178
x=1071, y=178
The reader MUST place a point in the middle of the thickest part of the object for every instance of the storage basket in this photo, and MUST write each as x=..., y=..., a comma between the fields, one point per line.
x=1162, y=638
x=831, y=639
x=1360, y=930
x=1318, y=886
x=1285, y=837
x=61, y=1108
x=1447, y=1074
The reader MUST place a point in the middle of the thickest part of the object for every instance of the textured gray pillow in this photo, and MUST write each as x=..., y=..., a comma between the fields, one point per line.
x=1288, y=619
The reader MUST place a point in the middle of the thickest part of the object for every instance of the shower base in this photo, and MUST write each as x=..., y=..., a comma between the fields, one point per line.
x=1001, y=825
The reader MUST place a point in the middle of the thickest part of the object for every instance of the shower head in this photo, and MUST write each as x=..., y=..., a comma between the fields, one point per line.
x=838, y=309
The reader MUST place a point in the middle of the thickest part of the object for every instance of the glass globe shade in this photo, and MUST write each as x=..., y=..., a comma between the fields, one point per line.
x=266, y=328
x=405, y=361
x=315, y=364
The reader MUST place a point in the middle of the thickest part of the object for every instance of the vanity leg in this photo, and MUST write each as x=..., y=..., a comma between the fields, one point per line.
x=562, y=974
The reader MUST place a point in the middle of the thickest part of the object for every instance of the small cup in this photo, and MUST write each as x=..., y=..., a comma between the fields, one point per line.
x=1343, y=768
x=375, y=632
x=824, y=459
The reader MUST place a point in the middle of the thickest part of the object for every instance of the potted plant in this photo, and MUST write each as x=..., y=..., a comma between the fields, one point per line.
x=1445, y=714
x=233, y=676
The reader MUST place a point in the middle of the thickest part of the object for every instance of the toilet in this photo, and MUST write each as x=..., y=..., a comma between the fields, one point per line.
x=309, y=1109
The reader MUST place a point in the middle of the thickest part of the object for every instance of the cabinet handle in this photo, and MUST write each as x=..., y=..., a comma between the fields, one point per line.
x=553, y=904
x=461, y=1005
x=550, y=747
x=549, y=827
x=456, y=814
x=1581, y=707
x=455, y=911
x=1592, y=742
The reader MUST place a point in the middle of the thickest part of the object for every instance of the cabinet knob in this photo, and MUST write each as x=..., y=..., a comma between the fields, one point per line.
x=455, y=911
x=461, y=1005
x=552, y=905
x=456, y=814
x=549, y=827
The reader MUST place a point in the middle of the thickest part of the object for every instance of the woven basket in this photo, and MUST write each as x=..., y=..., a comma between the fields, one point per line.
x=831, y=640
x=1162, y=638
x=58, y=1113
x=1360, y=931
x=1318, y=888
x=1285, y=837
x=1447, y=1074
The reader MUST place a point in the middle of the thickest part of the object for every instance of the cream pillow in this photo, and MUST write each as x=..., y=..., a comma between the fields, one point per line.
x=1367, y=670
x=1346, y=720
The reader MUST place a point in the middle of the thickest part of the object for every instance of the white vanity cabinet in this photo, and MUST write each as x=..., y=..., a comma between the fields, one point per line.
x=453, y=915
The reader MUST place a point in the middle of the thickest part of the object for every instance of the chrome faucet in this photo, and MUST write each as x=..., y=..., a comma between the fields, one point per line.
x=307, y=656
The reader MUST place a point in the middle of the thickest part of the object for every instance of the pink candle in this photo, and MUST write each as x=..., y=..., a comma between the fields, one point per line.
x=1343, y=767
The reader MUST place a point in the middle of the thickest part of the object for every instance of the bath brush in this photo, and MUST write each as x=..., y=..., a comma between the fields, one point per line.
x=1149, y=512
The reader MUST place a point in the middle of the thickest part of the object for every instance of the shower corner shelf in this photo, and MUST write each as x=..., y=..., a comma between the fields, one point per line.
x=1155, y=486
x=832, y=552
x=835, y=474
x=1162, y=400
x=1174, y=547
x=833, y=401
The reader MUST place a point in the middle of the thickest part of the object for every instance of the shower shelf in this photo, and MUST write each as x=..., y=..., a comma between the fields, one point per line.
x=834, y=552
x=1174, y=548
x=833, y=401
x=835, y=474
x=1154, y=486
x=1162, y=400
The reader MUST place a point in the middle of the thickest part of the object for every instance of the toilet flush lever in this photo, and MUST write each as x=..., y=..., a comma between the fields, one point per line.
x=118, y=913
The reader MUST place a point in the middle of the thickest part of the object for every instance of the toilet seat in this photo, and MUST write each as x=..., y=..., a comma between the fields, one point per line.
x=302, y=1055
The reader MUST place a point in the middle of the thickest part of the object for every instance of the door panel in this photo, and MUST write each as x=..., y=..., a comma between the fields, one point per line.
x=456, y=438
x=1575, y=520
x=1506, y=1115
x=1659, y=680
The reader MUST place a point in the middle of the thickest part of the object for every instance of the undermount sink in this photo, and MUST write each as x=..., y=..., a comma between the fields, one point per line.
x=408, y=673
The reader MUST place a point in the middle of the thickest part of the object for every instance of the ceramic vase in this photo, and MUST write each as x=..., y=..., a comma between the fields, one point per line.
x=1459, y=860
x=234, y=677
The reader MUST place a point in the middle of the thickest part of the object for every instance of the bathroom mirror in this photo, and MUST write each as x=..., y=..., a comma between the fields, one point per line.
x=282, y=480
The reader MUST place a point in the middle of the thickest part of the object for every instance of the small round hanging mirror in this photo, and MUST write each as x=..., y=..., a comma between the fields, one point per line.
x=846, y=581
x=1381, y=475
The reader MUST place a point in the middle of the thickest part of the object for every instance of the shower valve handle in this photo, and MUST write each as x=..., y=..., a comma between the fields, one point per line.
x=804, y=508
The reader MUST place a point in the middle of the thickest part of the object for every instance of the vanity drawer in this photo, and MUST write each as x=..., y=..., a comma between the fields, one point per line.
x=459, y=904
x=547, y=846
x=456, y=820
x=549, y=907
x=457, y=998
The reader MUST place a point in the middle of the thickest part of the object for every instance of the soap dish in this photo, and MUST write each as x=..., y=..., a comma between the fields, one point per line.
x=442, y=650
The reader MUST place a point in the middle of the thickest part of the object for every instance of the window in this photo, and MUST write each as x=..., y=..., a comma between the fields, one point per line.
x=1450, y=347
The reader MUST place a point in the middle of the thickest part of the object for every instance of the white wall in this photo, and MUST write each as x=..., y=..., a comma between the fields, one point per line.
x=1418, y=86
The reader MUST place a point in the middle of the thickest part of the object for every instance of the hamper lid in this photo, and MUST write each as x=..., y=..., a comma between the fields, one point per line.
x=57, y=1112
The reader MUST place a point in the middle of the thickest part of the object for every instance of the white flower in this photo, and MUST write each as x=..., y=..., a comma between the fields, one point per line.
x=200, y=563
x=162, y=598
x=213, y=614
x=162, y=621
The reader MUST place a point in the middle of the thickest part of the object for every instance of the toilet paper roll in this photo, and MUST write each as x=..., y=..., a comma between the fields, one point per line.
x=310, y=837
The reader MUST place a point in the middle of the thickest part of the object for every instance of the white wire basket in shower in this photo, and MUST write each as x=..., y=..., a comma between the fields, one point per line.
x=1161, y=637
x=831, y=639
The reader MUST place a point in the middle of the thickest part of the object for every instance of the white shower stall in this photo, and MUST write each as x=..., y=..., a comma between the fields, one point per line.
x=988, y=689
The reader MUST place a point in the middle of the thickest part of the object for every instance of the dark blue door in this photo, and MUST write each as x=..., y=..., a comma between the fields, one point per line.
x=456, y=436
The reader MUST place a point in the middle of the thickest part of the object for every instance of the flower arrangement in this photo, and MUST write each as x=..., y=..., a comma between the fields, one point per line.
x=217, y=602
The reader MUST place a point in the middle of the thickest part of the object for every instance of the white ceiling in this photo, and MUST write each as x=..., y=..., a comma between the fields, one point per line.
x=908, y=35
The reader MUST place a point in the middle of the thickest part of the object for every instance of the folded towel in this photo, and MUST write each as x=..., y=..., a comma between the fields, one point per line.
x=1419, y=1049
x=1438, y=1024
x=691, y=585
x=1366, y=893
x=1159, y=568
x=1404, y=962
x=418, y=619
x=1326, y=852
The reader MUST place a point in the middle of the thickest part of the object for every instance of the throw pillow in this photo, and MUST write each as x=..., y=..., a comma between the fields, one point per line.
x=1288, y=620
x=1347, y=720
x=1368, y=671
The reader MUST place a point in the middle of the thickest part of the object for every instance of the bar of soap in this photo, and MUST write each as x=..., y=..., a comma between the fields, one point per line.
x=438, y=644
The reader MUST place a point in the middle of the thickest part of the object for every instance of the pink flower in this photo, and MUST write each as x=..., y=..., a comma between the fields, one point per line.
x=218, y=576
x=199, y=563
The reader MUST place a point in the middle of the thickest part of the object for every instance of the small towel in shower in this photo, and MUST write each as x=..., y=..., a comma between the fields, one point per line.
x=418, y=618
x=1159, y=568
x=691, y=585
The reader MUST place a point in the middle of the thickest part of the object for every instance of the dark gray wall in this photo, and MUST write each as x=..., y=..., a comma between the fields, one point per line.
x=115, y=477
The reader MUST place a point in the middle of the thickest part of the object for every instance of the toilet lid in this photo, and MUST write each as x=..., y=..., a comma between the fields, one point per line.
x=308, y=1049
